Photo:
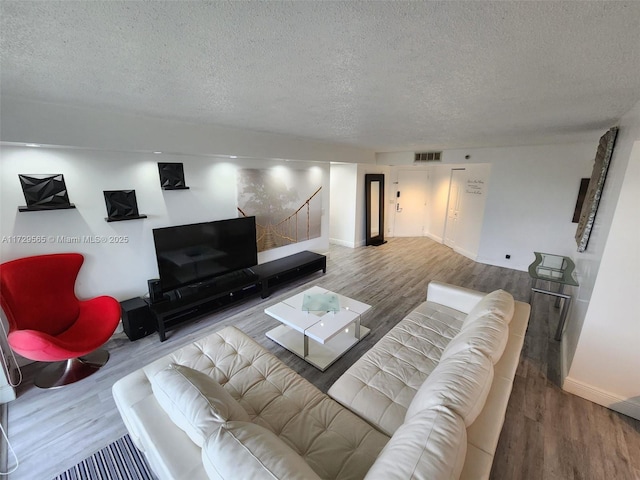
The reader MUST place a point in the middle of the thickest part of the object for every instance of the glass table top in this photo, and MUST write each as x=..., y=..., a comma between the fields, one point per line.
x=320, y=302
x=555, y=268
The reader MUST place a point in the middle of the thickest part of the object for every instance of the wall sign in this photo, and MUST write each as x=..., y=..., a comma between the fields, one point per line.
x=475, y=186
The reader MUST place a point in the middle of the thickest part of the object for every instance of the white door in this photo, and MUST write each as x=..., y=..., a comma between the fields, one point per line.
x=411, y=205
x=453, y=207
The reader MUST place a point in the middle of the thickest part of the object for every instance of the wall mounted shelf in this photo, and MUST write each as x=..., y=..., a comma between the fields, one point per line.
x=44, y=208
x=121, y=219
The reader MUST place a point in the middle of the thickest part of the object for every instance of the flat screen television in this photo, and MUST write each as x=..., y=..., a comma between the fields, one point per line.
x=189, y=254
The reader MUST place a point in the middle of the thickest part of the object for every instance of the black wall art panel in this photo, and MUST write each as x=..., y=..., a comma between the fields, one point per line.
x=172, y=176
x=121, y=205
x=44, y=192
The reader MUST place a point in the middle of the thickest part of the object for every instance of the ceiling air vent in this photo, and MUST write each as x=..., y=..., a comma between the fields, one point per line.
x=427, y=157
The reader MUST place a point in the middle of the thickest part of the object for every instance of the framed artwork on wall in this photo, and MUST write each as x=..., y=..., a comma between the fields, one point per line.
x=172, y=176
x=121, y=205
x=44, y=192
x=287, y=207
x=594, y=189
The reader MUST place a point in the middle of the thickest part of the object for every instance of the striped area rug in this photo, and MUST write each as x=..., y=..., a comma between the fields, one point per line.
x=120, y=460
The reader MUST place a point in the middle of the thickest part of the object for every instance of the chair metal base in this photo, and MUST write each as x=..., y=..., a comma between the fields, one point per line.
x=59, y=374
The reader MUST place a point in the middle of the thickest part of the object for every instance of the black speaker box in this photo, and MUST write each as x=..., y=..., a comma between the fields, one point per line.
x=155, y=293
x=137, y=319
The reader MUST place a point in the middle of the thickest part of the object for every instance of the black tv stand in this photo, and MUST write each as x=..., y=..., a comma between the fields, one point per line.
x=199, y=299
x=284, y=270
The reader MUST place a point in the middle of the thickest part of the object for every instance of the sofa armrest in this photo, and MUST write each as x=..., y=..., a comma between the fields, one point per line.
x=452, y=296
x=168, y=449
x=127, y=392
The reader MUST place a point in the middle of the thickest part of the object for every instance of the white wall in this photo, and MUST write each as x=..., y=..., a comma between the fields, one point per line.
x=342, y=221
x=439, y=182
x=531, y=195
x=600, y=347
x=476, y=185
x=530, y=201
x=122, y=269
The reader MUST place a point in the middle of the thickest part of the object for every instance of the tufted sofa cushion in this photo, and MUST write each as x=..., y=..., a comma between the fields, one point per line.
x=460, y=382
x=241, y=450
x=432, y=445
x=379, y=387
x=333, y=441
x=489, y=334
x=195, y=402
x=499, y=303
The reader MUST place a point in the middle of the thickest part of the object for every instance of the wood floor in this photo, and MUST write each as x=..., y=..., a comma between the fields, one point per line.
x=548, y=434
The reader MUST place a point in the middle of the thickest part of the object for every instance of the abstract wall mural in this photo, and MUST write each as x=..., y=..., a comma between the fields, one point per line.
x=594, y=190
x=287, y=204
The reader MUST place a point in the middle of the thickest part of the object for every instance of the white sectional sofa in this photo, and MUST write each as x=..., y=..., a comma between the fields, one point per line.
x=427, y=401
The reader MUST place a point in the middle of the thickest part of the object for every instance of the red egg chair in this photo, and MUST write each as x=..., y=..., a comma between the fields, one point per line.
x=48, y=323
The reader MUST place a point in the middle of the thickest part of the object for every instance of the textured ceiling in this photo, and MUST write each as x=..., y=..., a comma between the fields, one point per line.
x=380, y=75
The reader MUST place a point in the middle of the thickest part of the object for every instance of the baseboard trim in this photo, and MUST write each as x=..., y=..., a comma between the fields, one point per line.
x=466, y=253
x=433, y=237
x=629, y=407
x=342, y=243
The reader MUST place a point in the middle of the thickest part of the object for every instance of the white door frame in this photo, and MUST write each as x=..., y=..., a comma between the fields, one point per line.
x=447, y=223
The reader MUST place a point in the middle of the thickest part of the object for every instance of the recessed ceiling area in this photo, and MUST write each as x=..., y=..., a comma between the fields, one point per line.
x=385, y=76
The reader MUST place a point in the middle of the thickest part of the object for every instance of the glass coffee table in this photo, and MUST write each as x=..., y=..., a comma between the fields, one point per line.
x=319, y=326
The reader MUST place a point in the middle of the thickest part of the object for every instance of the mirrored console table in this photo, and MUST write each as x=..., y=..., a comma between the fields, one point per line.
x=554, y=269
